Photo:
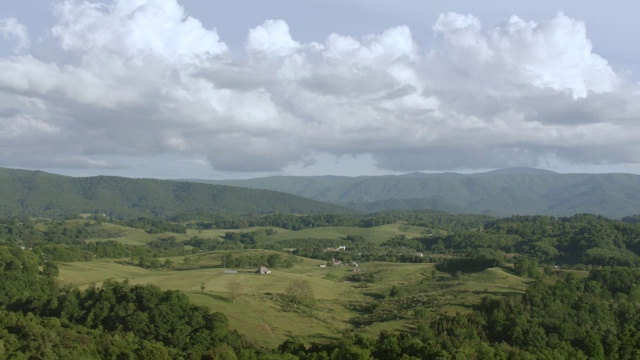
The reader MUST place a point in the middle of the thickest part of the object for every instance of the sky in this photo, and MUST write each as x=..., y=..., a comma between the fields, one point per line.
x=242, y=89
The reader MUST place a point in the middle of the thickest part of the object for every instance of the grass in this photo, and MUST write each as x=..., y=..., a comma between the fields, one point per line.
x=454, y=295
x=219, y=233
x=83, y=274
x=258, y=312
x=131, y=236
x=376, y=235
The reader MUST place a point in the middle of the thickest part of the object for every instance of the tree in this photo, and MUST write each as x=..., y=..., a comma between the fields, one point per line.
x=292, y=346
x=522, y=266
x=299, y=292
x=274, y=260
x=234, y=287
x=168, y=264
x=50, y=269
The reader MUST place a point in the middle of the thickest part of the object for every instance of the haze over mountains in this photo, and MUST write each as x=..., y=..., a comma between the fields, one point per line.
x=522, y=191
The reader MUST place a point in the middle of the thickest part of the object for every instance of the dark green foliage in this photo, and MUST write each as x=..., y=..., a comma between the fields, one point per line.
x=146, y=311
x=288, y=221
x=20, y=274
x=565, y=319
x=403, y=241
x=475, y=263
x=292, y=347
x=248, y=260
x=28, y=336
x=118, y=320
x=204, y=244
x=617, y=279
x=367, y=277
x=523, y=266
x=580, y=239
x=153, y=225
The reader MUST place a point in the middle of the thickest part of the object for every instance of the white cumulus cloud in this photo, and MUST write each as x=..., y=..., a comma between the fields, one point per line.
x=553, y=54
x=272, y=38
x=143, y=78
x=134, y=29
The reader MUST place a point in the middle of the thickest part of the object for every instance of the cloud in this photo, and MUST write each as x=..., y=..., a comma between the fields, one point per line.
x=379, y=51
x=554, y=54
x=271, y=39
x=11, y=28
x=143, y=78
x=135, y=29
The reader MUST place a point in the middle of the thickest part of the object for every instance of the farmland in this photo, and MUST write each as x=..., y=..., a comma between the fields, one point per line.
x=431, y=283
x=259, y=313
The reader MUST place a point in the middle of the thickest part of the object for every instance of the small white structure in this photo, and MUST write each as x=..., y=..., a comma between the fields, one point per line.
x=323, y=265
x=263, y=270
x=335, y=249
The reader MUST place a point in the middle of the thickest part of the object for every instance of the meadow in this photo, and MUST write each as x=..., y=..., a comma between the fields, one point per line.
x=429, y=286
x=376, y=235
x=258, y=311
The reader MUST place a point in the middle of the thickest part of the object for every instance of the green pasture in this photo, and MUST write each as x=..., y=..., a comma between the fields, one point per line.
x=131, y=236
x=259, y=313
x=377, y=234
x=219, y=233
x=256, y=311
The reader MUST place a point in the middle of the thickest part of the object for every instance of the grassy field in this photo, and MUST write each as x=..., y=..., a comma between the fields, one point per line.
x=256, y=311
x=131, y=236
x=259, y=312
x=377, y=235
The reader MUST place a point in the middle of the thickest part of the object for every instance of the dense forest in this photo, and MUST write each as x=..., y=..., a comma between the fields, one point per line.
x=37, y=193
x=497, y=193
x=559, y=316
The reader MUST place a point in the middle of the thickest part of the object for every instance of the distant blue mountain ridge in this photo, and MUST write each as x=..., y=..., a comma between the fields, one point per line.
x=504, y=192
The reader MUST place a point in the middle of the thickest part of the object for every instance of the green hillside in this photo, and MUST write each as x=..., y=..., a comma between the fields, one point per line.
x=38, y=193
x=88, y=289
x=522, y=191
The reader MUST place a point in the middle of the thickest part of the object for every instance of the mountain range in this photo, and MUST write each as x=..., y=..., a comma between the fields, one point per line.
x=513, y=191
x=37, y=193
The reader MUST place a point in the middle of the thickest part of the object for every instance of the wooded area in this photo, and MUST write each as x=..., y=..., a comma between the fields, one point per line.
x=560, y=315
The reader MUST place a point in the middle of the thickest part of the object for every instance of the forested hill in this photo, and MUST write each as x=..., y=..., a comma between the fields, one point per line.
x=521, y=191
x=38, y=193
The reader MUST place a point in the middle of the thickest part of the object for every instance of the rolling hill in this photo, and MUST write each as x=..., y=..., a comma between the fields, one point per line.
x=521, y=191
x=38, y=193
